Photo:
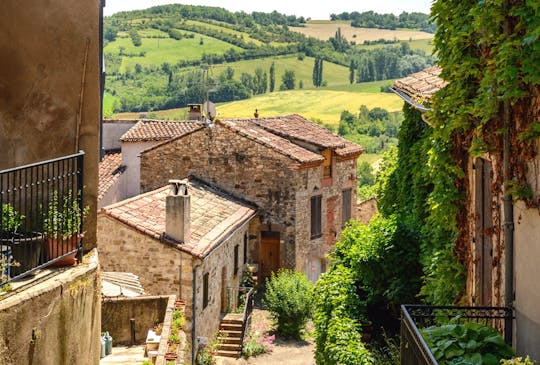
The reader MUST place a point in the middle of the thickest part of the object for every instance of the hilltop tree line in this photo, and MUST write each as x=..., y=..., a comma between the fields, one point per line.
x=370, y=19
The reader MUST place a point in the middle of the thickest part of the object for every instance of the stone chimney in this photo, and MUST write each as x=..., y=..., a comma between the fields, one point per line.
x=177, y=211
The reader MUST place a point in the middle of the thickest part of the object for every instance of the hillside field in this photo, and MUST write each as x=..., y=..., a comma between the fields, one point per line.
x=323, y=105
x=325, y=30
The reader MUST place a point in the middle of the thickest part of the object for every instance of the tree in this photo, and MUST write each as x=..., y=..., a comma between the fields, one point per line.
x=352, y=67
x=288, y=80
x=272, y=77
x=317, y=72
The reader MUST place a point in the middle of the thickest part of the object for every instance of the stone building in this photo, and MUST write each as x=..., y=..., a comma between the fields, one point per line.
x=187, y=238
x=300, y=176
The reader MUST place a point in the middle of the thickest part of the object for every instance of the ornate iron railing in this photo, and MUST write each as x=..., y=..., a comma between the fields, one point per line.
x=41, y=215
x=414, y=350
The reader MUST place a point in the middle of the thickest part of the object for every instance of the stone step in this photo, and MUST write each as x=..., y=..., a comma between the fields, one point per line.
x=231, y=334
x=231, y=340
x=230, y=347
x=235, y=354
x=231, y=327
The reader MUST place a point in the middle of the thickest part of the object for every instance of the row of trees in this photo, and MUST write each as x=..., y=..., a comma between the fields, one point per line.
x=371, y=19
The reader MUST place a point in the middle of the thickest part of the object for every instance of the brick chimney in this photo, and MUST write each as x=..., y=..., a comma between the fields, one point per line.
x=177, y=211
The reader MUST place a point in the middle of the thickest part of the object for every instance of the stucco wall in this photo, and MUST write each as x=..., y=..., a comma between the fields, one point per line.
x=527, y=277
x=117, y=312
x=49, y=81
x=56, y=321
x=116, y=192
x=113, y=130
x=132, y=161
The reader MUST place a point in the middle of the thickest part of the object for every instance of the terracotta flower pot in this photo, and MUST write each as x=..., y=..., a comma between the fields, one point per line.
x=170, y=356
x=58, y=247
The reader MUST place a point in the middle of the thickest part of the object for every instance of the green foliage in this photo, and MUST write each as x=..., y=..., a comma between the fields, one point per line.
x=364, y=173
x=288, y=298
x=338, y=310
x=370, y=19
x=63, y=216
x=135, y=38
x=11, y=219
x=387, y=352
x=288, y=80
x=466, y=344
x=383, y=257
x=518, y=361
x=272, y=73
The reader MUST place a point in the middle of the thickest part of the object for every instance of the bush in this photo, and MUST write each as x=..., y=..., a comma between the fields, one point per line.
x=338, y=311
x=518, y=361
x=288, y=298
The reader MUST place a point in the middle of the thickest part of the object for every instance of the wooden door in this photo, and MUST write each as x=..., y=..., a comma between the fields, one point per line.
x=269, y=253
x=483, y=231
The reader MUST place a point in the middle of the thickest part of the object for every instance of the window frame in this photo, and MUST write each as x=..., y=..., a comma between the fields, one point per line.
x=206, y=297
x=346, y=207
x=316, y=216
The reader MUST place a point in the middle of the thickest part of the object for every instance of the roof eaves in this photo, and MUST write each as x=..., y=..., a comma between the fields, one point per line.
x=409, y=99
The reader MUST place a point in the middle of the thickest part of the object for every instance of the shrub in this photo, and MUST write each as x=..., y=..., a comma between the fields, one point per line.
x=518, y=361
x=257, y=341
x=288, y=298
x=338, y=310
x=466, y=344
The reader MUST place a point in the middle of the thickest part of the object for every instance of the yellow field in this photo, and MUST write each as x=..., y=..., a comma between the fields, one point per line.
x=325, y=105
x=324, y=31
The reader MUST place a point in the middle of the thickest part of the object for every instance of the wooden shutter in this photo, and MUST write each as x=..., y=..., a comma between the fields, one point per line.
x=205, y=291
x=316, y=216
x=346, y=208
x=235, y=260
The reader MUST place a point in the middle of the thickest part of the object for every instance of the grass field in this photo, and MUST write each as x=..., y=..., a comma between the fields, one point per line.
x=159, y=50
x=324, y=105
x=418, y=44
x=245, y=36
x=328, y=29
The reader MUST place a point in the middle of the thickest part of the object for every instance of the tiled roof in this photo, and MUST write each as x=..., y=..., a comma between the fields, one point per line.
x=422, y=85
x=214, y=214
x=292, y=129
x=159, y=130
x=110, y=170
x=252, y=131
x=299, y=128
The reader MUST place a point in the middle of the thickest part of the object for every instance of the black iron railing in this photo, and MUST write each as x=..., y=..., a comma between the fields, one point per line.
x=248, y=310
x=41, y=215
x=414, y=350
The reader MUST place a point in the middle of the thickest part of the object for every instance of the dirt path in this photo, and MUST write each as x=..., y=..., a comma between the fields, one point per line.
x=291, y=352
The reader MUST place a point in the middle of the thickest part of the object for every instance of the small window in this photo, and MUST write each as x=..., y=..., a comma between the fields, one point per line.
x=346, y=209
x=316, y=215
x=327, y=164
x=205, y=291
x=245, y=248
x=235, y=260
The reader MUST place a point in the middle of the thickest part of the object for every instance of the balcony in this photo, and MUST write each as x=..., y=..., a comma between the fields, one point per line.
x=41, y=216
x=415, y=351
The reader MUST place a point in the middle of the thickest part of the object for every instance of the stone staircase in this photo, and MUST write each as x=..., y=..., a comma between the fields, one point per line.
x=230, y=332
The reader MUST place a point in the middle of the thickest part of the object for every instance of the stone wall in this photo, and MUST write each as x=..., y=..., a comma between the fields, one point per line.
x=55, y=321
x=125, y=249
x=237, y=165
x=366, y=210
x=49, y=87
x=117, y=312
x=276, y=184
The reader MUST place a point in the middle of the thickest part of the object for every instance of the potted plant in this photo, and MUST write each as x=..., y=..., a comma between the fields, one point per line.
x=62, y=226
x=24, y=247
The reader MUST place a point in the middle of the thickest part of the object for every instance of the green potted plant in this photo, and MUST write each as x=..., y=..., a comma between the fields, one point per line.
x=62, y=227
x=24, y=247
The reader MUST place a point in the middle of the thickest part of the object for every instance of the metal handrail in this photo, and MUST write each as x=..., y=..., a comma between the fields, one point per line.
x=248, y=309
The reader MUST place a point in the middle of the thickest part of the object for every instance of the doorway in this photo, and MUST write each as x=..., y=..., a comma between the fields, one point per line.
x=269, y=253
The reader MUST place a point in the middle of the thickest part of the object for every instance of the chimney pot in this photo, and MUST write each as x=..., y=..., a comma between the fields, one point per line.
x=177, y=211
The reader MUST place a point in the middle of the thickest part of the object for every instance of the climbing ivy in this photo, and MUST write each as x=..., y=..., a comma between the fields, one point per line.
x=490, y=55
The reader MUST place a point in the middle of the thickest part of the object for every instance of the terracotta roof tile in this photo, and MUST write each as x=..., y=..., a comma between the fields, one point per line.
x=159, y=130
x=214, y=214
x=422, y=85
x=279, y=144
x=110, y=170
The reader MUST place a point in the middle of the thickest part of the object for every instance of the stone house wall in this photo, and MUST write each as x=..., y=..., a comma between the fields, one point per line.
x=241, y=167
x=274, y=182
x=165, y=270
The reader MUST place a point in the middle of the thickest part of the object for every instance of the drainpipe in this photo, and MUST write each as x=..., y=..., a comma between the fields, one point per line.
x=508, y=214
x=193, y=315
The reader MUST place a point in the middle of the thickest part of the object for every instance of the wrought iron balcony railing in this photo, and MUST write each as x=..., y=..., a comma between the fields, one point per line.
x=41, y=215
x=414, y=350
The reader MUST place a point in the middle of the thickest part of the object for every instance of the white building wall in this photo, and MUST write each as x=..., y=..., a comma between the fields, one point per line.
x=131, y=159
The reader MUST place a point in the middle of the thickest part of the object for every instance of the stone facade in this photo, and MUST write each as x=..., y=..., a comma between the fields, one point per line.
x=166, y=270
x=279, y=185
